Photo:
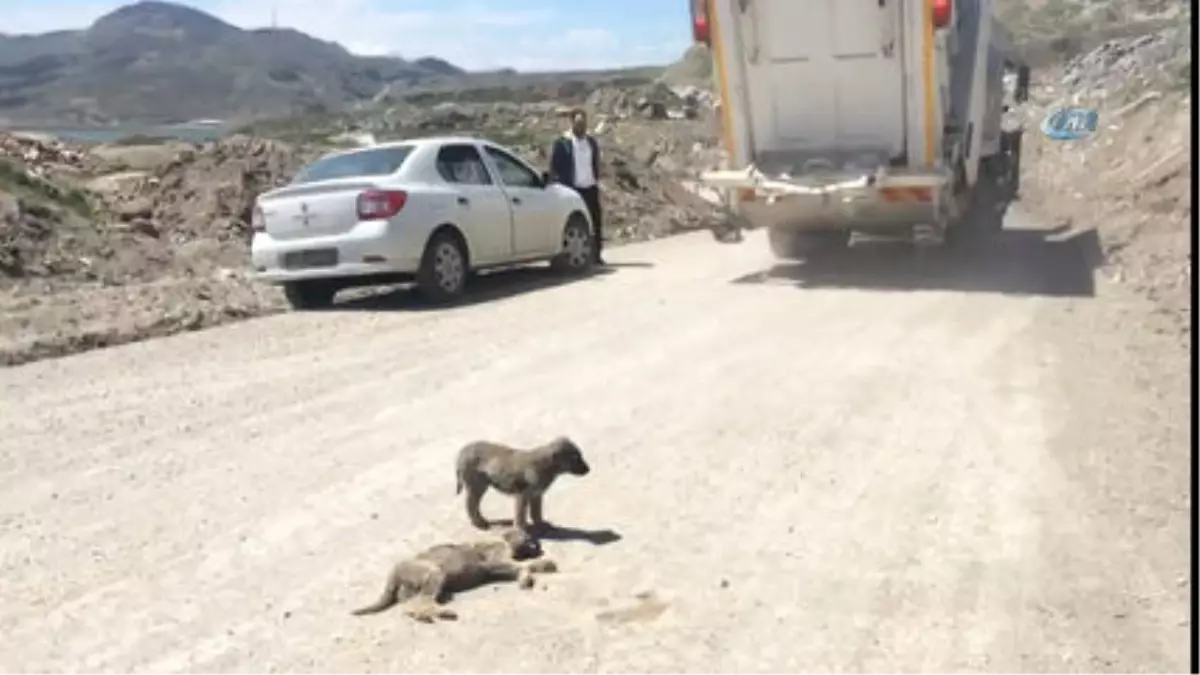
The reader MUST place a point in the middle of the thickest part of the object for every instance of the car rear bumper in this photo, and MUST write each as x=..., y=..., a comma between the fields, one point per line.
x=371, y=248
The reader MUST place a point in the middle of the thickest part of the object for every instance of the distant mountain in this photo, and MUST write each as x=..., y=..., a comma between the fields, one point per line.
x=154, y=62
x=438, y=66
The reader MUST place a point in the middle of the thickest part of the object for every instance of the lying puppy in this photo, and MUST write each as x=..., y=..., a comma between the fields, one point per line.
x=524, y=474
x=431, y=577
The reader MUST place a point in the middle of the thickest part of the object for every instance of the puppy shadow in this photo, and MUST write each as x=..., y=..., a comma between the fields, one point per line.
x=550, y=532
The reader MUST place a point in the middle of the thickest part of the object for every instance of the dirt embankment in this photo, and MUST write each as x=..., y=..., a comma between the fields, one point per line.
x=95, y=253
x=1131, y=179
x=116, y=243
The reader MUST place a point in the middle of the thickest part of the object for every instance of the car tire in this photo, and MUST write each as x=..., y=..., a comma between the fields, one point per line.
x=576, y=255
x=444, y=270
x=310, y=294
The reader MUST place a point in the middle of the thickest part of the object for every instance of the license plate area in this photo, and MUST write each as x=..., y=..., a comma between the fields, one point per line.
x=308, y=259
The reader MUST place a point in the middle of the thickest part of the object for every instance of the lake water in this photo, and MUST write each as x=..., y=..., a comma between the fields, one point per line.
x=192, y=134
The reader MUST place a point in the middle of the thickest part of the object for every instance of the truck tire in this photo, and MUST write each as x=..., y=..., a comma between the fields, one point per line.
x=806, y=244
x=1010, y=147
x=983, y=214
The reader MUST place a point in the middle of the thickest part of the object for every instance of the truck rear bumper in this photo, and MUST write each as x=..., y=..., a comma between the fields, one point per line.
x=883, y=201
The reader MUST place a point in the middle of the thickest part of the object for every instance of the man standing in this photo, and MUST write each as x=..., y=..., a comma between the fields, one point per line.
x=575, y=162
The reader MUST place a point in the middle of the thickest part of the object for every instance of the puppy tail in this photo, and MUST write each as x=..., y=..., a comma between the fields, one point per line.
x=389, y=597
x=460, y=467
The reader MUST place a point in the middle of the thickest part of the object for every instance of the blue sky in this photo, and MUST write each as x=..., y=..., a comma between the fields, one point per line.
x=523, y=34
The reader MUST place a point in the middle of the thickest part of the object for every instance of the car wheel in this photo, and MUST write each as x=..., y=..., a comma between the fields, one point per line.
x=443, y=274
x=311, y=294
x=576, y=254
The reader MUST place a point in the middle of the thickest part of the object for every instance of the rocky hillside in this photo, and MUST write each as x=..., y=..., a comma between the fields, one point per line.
x=162, y=62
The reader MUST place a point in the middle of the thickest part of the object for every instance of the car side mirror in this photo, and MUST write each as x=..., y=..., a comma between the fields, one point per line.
x=545, y=178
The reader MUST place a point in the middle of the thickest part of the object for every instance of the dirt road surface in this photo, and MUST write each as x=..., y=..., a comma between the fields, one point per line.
x=905, y=465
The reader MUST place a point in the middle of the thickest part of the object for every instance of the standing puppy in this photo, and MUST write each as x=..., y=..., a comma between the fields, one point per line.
x=523, y=474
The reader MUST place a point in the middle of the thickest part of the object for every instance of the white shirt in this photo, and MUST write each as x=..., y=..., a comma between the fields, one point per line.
x=582, y=152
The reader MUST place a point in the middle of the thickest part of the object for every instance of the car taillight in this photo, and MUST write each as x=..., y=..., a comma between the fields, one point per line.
x=377, y=204
x=701, y=31
x=942, y=11
x=258, y=220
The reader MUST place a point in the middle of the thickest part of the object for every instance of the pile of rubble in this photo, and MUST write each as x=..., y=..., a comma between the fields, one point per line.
x=43, y=157
x=207, y=192
x=657, y=101
x=1153, y=60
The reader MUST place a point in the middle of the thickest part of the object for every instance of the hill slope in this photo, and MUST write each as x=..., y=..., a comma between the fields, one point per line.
x=162, y=62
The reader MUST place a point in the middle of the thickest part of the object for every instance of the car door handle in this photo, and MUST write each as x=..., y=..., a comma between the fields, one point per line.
x=464, y=201
x=516, y=200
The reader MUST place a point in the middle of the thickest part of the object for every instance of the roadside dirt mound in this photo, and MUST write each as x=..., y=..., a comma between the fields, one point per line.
x=1130, y=180
x=91, y=257
x=207, y=193
x=88, y=223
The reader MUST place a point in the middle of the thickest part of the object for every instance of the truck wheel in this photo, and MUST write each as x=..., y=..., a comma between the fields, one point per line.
x=792, y=245
x=310, y=294
x=984, y=215
x=1010, y=145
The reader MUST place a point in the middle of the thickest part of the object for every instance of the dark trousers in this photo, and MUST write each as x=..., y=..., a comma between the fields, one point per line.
x=591, y=198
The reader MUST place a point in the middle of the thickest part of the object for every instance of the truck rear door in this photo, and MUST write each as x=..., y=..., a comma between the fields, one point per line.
x=824, y=77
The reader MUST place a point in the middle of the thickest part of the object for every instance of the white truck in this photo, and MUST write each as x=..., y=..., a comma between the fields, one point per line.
x=882, y=117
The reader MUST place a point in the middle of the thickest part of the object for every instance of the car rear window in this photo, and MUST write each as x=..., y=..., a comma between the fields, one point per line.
x=372, y=162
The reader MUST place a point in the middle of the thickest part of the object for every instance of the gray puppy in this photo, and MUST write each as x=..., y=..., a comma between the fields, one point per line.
x=524, y=474
x=428, y=579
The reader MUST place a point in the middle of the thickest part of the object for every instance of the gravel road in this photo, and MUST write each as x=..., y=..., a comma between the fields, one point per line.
x=972, y=467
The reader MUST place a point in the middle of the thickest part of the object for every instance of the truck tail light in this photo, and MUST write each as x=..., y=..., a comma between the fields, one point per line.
x=258, y=220
x=942, y=11
x=379, y=204
x=701, y=30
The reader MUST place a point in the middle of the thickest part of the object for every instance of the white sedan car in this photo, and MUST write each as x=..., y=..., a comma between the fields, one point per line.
x=430, y=210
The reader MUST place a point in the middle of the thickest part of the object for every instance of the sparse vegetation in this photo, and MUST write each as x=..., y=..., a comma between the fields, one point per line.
x=18, y=181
